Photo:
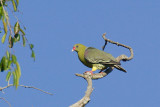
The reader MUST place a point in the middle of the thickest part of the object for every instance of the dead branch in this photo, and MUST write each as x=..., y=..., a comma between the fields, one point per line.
x=86, y=98
x=5, y=101
x=88, y=77
x=121, y=57
x=2, y=88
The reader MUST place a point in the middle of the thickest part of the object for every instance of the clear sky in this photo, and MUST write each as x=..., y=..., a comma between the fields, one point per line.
x=54, y=26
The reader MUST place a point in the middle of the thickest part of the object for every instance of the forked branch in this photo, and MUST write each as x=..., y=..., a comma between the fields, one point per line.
x=88, y=77
x=2, y=88
x=121, y=57
x=86, y=98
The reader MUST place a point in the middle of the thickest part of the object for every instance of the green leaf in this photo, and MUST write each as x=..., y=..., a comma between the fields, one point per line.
x=18, y=69
x=33, y=55
x=14, y=59
x=10, y=41
x=16, y=28
x=14, y=5
x=14, y=79
x=4, y=62
x=17, y=37
x=31, y=46
x=24, y=41
x=22, y=31
x=8, y=55
x=1, y=12
x=9, y=64
x=14, y=40
x=4, y=25
x=17, y=78
x=17, y=1
x=8, y=76
x=3, y=38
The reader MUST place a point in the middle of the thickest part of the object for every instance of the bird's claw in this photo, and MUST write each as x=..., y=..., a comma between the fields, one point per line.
x=91, y=72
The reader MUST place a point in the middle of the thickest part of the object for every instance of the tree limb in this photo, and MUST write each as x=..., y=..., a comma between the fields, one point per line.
x=86, y=98
x=121, y=57
x=88, y=77
x=2, y=88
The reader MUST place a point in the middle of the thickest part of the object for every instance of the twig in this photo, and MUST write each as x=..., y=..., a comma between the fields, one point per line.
x=86, y=98
x=15, y=15
x=121, y=57
x=5, y=101
x=2, y=88
x=36, y=89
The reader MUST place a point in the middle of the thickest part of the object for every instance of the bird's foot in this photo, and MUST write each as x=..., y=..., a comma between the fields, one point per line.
x=101, y=71
x=89, y=72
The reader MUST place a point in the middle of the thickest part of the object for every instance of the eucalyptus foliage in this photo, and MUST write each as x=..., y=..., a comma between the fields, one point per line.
x=12, y=34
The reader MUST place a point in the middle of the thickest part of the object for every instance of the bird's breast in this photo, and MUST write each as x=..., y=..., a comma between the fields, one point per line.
x=83, y=60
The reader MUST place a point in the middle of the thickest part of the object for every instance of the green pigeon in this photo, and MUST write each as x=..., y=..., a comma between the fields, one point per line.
x=95, y=58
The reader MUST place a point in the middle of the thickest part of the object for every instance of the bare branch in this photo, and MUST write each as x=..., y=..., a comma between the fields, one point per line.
x=88, y=77
x=121, y=57
x=5, y=101
x=2, y=88
x=36, y=89
x=86, y=98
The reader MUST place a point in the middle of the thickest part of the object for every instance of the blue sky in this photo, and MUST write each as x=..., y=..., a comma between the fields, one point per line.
x=54, y=26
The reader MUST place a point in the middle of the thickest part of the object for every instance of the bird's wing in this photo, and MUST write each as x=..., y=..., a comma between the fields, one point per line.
x=95, y=56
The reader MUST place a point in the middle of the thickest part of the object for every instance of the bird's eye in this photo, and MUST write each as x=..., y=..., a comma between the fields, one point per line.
x=76, y=46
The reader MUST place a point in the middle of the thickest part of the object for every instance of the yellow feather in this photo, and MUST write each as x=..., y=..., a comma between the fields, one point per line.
x=94, y=68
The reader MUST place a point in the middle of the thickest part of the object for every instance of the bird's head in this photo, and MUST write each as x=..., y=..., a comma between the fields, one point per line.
x=78, y=47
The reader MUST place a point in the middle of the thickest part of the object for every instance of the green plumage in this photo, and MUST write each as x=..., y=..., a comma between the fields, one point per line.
x=96, y=59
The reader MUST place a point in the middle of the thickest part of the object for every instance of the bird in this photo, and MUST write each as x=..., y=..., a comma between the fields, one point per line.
x=95, y=58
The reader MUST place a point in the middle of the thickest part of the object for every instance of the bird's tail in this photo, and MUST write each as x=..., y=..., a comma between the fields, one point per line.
x=120, y=68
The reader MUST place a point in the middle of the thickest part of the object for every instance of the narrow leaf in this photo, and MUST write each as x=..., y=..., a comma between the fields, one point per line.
x=14, y=78
x=10, y=41
x=8, y=55
x=8, y=76
x=31, y=46
x=4, y=37
x=14, y=5
x=14, y=59
x=4, y=62
x=1, y=12
x=17, y=37
x=17, y=78
x=22, y=31
x=17, y=2
x=24, y=41
x=33, y=55
x=16, y=28
x=4, y=25
x=18, y=69
x=9, y=64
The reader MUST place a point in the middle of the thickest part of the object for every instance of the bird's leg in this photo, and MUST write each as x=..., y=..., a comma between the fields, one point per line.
x=90, y=72
x=93, y=69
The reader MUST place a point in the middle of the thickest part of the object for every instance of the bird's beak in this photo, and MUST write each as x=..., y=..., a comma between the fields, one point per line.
x=73, y=49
